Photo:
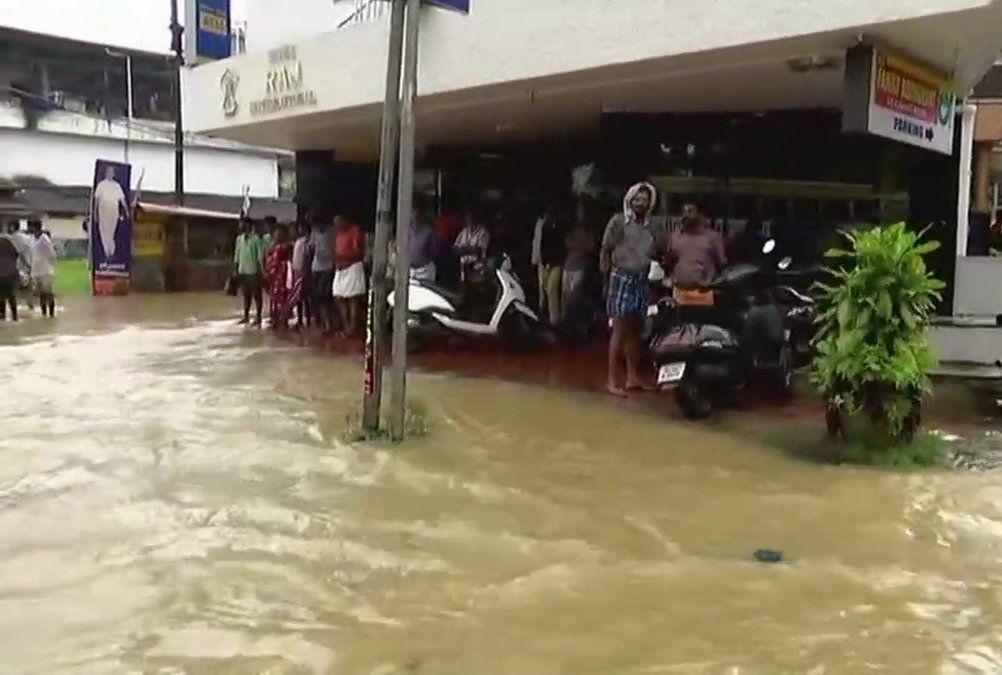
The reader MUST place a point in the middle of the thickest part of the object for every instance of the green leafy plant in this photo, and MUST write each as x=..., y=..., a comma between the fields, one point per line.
x=873, y=356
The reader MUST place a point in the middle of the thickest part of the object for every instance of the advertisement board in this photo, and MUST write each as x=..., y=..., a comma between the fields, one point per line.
x=207, y=31
x=462, y=6
x=111, y=228
x=891, y=96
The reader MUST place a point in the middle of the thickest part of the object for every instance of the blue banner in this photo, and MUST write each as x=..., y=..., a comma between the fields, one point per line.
x=111, y=227
x=212, y=19
x=462, y=6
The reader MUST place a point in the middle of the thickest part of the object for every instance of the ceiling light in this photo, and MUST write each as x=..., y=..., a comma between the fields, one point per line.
x=807, y=64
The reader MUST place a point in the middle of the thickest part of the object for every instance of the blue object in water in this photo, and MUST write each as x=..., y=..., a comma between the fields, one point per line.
x=768, y=555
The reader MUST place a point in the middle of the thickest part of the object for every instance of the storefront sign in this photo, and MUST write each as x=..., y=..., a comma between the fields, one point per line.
x=207, y=31
x=148, y=238
x=285, y=86
x=890, y=96
x=111, y=227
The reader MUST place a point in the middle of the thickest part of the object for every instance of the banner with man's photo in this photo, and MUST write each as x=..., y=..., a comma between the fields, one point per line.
x=111, y=228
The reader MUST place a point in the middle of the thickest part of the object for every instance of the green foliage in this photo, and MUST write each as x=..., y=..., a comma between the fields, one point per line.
x=878, y=450
x=872, y=353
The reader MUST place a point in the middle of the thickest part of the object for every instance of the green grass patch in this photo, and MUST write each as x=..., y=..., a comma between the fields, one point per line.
x=864, y=446
x=875, y=449
x=72, y=278
x=416, y=425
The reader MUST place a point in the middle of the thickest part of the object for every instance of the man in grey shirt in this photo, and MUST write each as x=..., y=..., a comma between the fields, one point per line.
x=631, y=240
x=322, y=274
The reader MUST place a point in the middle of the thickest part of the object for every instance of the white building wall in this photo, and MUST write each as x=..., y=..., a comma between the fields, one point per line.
x=69, y=160
x=271, y=23
x=505, y=41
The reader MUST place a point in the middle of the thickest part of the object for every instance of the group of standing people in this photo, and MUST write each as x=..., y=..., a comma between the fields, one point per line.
x=694, y=256
x=318, y=273
x=315, y=273
x=27, y=268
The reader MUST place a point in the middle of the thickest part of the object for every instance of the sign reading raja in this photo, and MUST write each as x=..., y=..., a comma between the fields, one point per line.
x=284, y=84
x=888, y=95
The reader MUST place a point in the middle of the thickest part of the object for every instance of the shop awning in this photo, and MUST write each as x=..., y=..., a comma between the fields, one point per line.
x=185, y=212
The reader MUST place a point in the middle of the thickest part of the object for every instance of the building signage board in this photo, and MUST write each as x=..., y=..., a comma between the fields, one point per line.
x=462, y=6
x=285, y=87
x=207, y=30
x=891, y=96
x=111, y=228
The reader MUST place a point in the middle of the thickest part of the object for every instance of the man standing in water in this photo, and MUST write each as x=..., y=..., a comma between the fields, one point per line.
x=8, y=277
x=22, y=242
x=109, y=204
x=627, y=248
x=248, y=261
x=43, y=268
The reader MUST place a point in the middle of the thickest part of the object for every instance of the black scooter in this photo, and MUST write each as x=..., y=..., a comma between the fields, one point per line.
x=710, y=344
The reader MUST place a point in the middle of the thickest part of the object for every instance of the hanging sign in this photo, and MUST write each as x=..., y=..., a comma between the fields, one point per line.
x=207, y=31
x=894, y=97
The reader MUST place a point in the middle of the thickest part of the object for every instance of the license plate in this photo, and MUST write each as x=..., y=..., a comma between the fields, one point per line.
x=671, y=373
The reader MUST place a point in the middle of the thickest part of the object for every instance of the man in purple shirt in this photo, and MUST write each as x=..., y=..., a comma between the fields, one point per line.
x=696, y=253
x=422, y=247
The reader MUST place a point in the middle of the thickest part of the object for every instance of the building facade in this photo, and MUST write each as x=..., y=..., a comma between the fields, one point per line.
x=743, y=105
x=64, y=104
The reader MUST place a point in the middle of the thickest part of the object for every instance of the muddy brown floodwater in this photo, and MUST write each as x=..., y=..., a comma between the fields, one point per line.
x=174, y=498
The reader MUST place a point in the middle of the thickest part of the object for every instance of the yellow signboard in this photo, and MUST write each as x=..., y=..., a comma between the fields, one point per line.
x=148, y=239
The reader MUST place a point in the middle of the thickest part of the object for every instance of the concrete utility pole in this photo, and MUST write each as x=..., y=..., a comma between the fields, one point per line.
x=128, y=96
x=375, y=339
x=405, y=214
x=177, y=47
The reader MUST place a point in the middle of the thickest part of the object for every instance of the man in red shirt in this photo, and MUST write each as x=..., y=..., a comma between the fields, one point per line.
x=349, y=277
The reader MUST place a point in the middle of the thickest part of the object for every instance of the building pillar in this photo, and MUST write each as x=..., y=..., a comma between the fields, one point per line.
x=968, y=114
x=984, y=177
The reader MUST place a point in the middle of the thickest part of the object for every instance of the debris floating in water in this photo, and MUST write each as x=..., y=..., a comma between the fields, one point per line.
x=768, y=555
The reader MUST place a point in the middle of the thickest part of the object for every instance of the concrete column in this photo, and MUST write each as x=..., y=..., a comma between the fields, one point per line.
x=984, y=177
x=968, y=114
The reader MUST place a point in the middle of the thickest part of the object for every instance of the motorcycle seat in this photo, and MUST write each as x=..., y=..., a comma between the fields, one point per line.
x=455, y=297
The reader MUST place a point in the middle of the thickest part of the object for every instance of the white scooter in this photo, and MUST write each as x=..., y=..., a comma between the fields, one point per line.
x=432, y=309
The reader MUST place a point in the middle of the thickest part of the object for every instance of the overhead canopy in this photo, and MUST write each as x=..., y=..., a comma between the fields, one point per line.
x=184, y=212
x=492, y=78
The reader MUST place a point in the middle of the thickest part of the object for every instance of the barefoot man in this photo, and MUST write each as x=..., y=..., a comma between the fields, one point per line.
x=629, y=243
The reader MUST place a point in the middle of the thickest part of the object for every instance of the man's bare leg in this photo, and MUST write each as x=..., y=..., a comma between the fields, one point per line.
x=615, y=350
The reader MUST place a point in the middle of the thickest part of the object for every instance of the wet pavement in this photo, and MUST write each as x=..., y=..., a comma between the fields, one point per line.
x=175, y=498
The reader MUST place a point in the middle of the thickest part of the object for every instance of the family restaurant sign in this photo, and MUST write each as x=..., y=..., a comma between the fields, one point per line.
x=894, y=97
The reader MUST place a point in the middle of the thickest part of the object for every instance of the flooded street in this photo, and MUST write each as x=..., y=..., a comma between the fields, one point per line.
x=175, y=498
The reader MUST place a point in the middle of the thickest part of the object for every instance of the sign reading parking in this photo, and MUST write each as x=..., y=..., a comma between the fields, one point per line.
x=891, y=96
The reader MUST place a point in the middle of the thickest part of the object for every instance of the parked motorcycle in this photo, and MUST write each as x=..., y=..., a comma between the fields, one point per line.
x=494, y=307
x=710, y=343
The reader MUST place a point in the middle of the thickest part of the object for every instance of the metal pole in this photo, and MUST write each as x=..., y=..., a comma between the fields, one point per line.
x=968, y=113
x=128, y=96
x=177, y=47
x=375, y=340
x=129, y=110
x=405, y=215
